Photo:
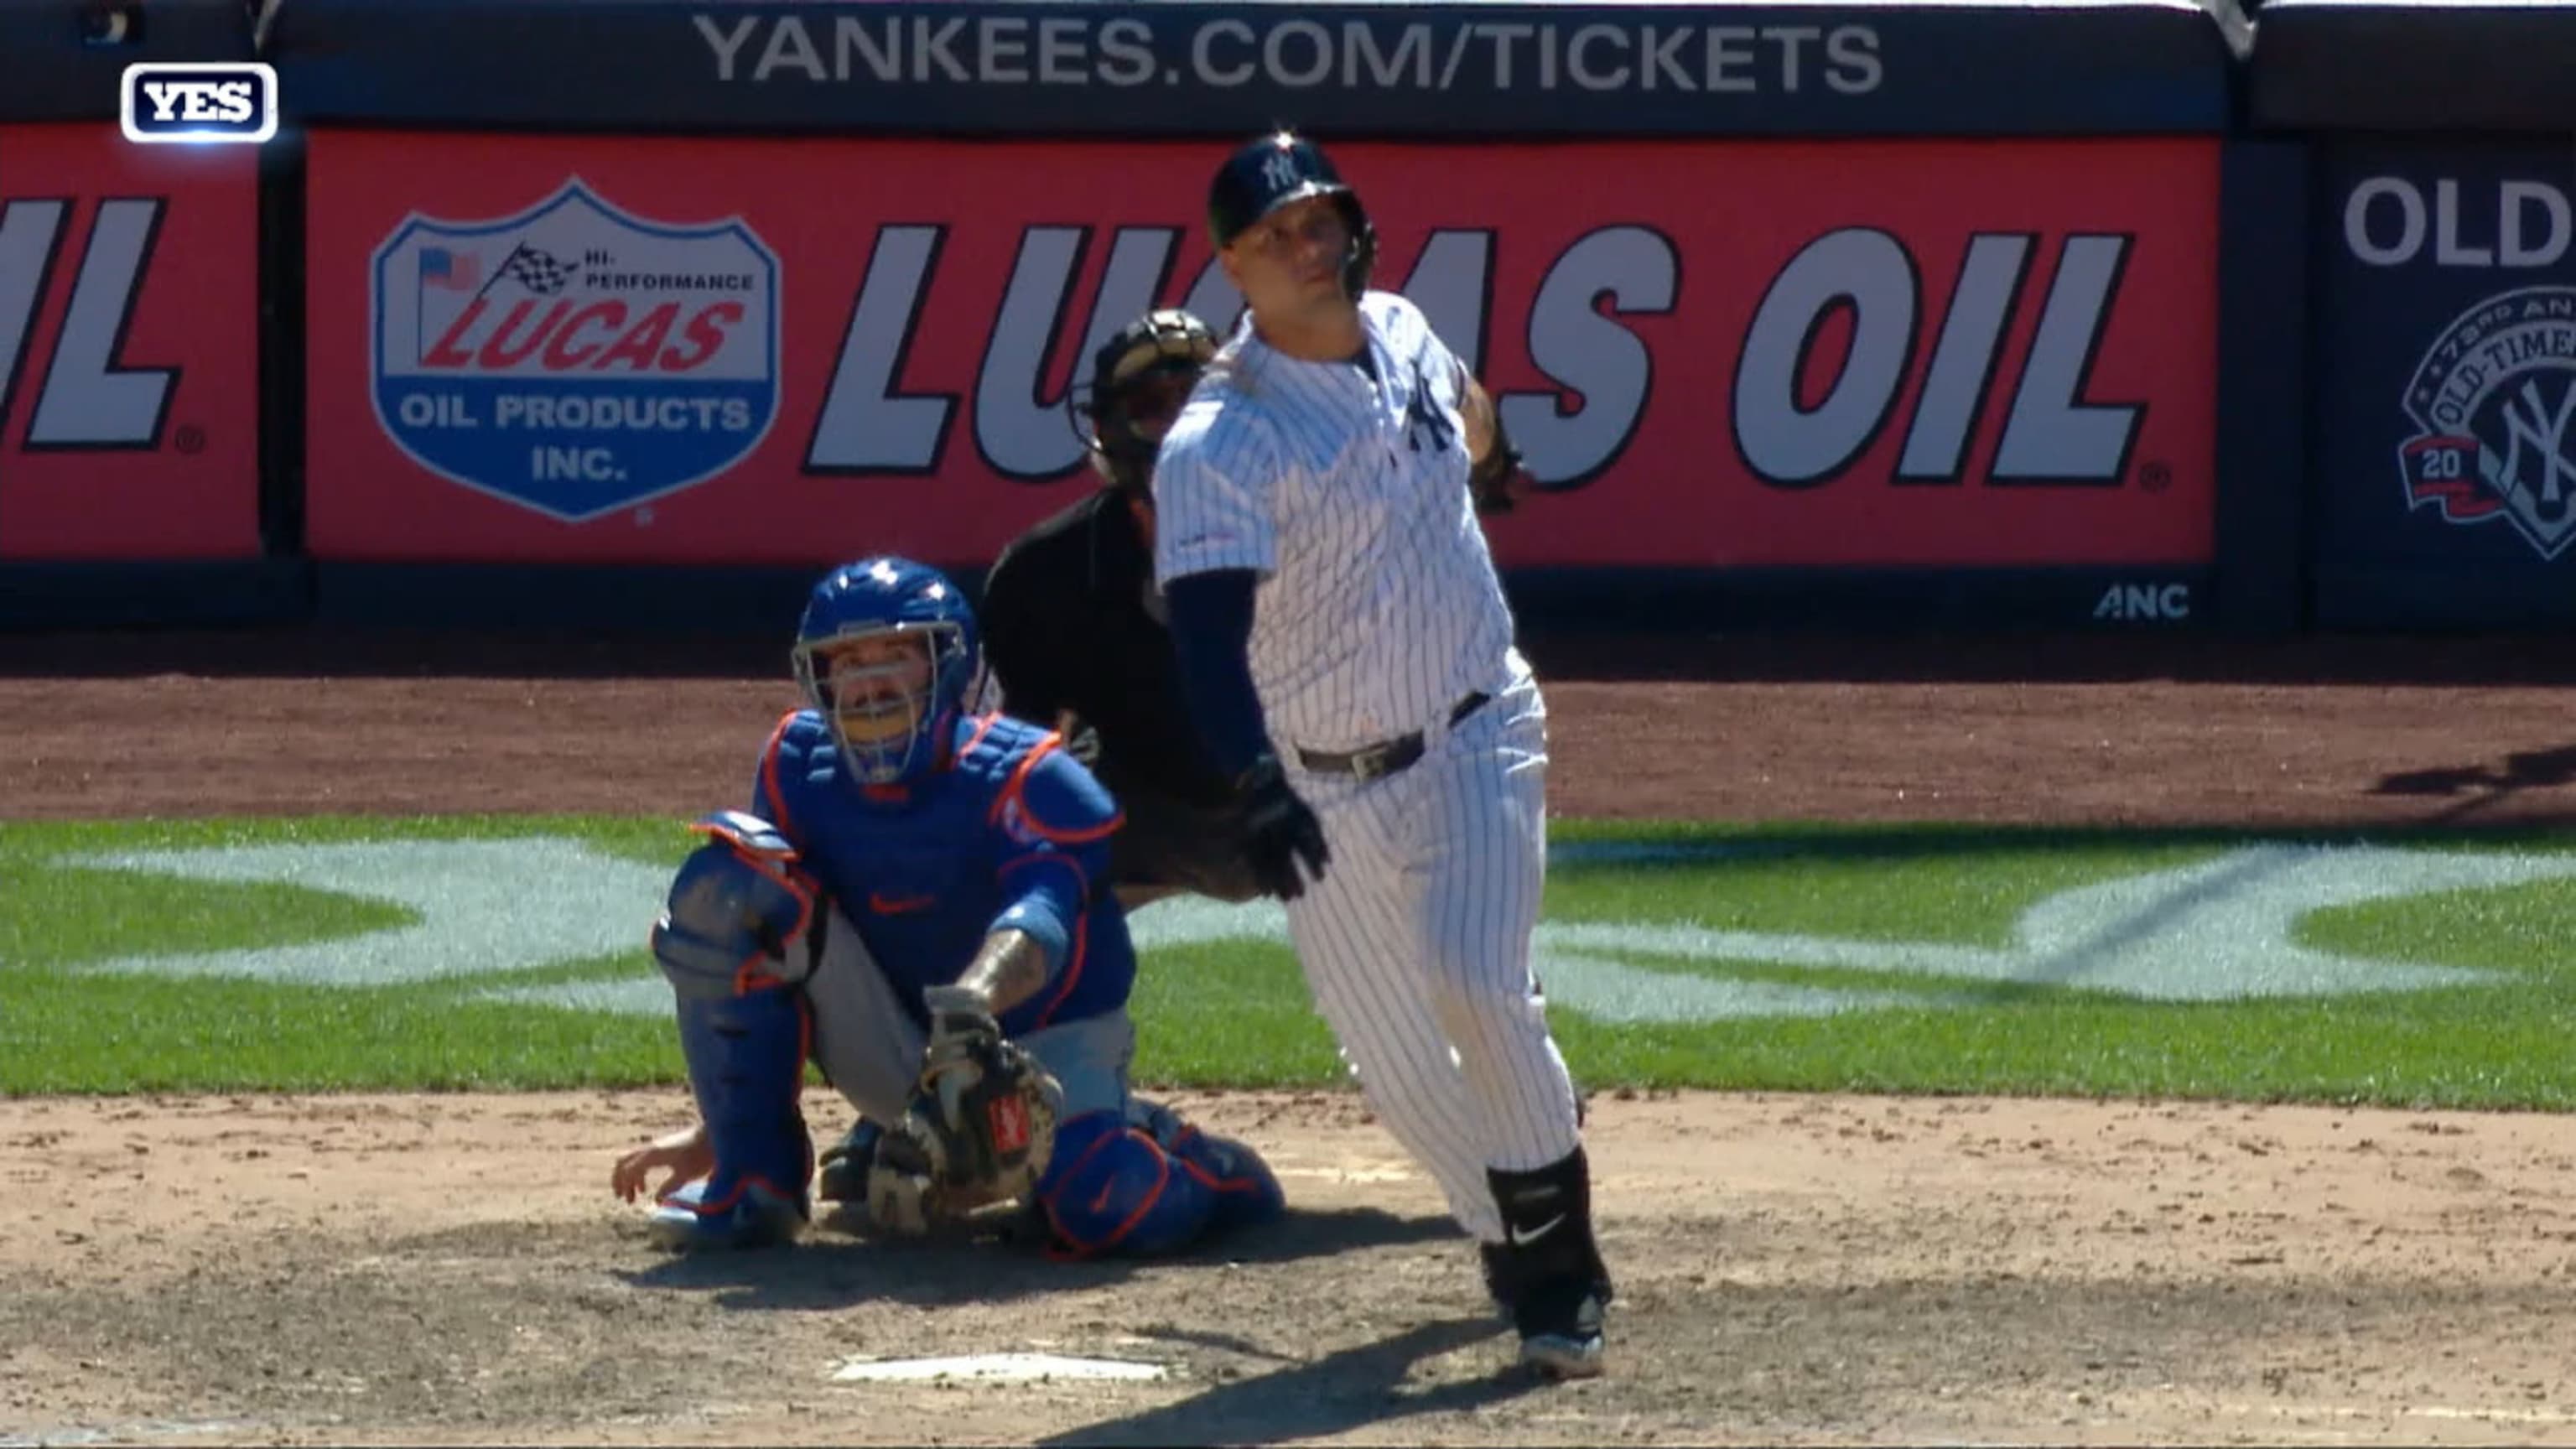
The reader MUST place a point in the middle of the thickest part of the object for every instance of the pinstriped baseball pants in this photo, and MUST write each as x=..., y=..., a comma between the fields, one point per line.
x=1416, y=946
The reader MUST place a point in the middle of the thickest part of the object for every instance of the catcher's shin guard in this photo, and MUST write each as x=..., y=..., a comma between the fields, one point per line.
x=1116, y=1188
x=746, y=1057
x=1247, y=1192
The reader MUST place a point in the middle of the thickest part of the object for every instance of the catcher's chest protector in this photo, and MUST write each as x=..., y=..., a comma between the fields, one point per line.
x=922, y=877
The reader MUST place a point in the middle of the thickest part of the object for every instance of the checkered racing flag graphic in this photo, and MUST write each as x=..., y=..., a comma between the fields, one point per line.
x=538, y=270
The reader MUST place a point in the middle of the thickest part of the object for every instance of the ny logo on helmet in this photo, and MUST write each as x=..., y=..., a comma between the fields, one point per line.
x=1280, y=170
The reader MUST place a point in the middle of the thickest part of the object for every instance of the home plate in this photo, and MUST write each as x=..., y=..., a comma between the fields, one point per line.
x=1016, y=1368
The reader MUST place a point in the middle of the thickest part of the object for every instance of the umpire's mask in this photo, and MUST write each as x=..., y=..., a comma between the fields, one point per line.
x=1140, y=379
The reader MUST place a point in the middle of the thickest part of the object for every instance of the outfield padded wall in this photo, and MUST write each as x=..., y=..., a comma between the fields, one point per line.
x=1932, y=314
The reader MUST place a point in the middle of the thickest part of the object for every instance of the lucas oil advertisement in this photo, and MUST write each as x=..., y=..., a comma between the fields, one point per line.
x=1909, y=354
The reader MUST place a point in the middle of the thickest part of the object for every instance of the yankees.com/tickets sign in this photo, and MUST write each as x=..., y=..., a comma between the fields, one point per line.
x=1715, y=355
x=129, y=353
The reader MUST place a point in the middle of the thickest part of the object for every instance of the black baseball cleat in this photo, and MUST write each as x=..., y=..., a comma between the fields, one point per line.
x=1499, y=1274
x=844, y=1174
x=1560, y=1328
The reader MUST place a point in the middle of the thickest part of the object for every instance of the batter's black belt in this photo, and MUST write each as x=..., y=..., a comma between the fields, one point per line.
x=1384, y=758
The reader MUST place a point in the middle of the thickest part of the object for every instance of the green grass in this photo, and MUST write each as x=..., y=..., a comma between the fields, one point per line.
x=1236, y=1011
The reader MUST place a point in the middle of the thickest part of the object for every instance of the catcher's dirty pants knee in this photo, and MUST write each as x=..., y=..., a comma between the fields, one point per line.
x=869, y=1048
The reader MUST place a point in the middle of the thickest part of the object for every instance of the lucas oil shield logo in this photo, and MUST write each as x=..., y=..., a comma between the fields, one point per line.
x=2492, y=402
x=575, y=359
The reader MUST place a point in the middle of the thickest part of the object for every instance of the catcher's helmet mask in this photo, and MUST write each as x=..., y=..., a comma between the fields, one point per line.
x=1271, y=171
x=1161, y=353
x=888, y=595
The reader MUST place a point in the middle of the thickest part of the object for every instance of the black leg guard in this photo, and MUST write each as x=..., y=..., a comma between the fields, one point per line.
x=1547, y=1222
x=1548, y=1273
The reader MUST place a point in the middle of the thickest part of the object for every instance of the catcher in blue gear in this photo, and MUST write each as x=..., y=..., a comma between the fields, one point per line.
x=917, y=902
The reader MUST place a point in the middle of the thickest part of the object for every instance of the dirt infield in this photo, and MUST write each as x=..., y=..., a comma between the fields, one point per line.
x=444, y=1269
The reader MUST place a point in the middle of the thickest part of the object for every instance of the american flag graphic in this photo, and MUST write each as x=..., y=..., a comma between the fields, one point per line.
x=450, y=271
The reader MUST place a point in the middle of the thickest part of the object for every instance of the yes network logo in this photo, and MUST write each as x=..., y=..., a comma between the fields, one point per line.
x=199, y=103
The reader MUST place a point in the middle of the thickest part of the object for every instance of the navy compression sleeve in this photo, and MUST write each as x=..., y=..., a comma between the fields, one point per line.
x=1211, y=630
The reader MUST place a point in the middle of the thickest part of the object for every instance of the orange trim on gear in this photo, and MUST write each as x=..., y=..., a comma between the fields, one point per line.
x=743, y=982
x=1081, y=877
x=1162, y=1180
x=1214, y=1183
x=1072, y=965
x=710, y=1209
x=1015, y=791
x=1070, y=1173
x=983, y=726
x=743, y=985
x=769, y=773
x=1075, y=932
x=1011, y=787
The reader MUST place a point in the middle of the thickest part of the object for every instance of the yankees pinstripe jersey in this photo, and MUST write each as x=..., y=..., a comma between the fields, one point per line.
x=1345, y=487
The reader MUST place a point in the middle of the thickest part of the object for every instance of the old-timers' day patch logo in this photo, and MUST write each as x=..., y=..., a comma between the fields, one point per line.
x=575, y=358
x=2492, y=402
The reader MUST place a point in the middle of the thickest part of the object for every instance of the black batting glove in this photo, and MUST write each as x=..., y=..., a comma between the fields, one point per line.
x=1498, y=480
x=1280, y=831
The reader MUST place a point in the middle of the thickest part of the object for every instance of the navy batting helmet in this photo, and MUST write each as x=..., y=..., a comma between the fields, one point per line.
x=1273, y=170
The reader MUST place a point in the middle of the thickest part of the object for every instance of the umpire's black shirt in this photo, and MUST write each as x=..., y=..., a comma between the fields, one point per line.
x=1065, y=627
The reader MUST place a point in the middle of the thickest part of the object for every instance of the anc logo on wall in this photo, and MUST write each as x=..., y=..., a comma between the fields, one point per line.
x=575, y=358
x=2492, y=402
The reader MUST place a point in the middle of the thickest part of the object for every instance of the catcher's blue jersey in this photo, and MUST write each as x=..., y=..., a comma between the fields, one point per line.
x=1014, y=827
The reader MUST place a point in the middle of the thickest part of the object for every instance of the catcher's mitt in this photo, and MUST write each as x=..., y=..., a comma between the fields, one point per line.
x=981, y=1124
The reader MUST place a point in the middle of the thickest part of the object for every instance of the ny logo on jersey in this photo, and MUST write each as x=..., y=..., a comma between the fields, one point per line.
x=1422, y=415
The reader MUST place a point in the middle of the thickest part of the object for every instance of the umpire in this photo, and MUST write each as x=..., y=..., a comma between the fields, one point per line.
x=1075, y=632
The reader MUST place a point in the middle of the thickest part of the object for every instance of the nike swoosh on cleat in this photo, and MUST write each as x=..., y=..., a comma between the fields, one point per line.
x=1522, y=1240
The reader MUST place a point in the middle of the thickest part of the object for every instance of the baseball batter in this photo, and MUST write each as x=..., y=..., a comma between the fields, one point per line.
x=1349, y=659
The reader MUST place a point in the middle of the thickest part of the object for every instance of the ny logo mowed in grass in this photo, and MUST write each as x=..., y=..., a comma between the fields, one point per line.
x=490, y=953
x=2221, y=929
